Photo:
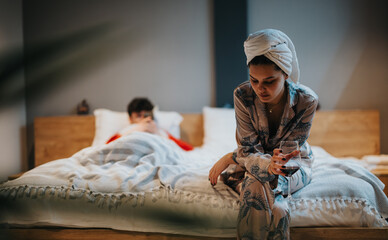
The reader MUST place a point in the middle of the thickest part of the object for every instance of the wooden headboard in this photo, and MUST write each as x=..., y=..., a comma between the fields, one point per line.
x=341, y=133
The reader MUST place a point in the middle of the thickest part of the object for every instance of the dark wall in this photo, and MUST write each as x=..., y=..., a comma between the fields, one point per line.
x=230, y=31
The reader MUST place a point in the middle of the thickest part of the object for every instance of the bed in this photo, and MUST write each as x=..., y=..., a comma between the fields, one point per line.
x=165, y=208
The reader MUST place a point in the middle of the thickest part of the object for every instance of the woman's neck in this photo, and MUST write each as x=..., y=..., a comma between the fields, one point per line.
x=274, y=114
x=278, y=104
x=278, y=99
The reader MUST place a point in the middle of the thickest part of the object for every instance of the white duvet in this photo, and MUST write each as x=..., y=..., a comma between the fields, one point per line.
x=143, y=182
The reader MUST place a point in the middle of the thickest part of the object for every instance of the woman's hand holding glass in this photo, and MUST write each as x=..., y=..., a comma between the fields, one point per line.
x=293, y=165
x=279, y=160
x=277, y=163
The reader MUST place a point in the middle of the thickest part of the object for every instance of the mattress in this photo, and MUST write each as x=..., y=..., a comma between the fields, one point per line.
x=146, y=183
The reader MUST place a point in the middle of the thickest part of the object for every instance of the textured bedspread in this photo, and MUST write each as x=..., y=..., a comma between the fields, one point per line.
x=136, y=163
x=143, y=182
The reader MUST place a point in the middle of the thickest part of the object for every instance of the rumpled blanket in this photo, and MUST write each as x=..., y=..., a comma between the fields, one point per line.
x=135, y=163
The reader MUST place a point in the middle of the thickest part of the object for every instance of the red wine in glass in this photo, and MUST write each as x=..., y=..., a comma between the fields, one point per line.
x=290, y=170
x=293, y=164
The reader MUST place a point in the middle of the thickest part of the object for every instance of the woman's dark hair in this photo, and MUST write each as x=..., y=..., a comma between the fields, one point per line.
x=263, y=60
x=139, y=104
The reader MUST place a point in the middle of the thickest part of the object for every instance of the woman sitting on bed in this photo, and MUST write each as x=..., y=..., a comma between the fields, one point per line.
x=270, y=107
x=142, y=120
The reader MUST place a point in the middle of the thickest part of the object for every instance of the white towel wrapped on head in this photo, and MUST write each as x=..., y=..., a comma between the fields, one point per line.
x=277, y=47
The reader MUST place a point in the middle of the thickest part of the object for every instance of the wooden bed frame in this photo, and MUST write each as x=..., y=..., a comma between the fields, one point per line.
x=341, y=133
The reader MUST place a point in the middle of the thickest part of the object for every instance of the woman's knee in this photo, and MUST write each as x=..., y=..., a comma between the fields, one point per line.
x=255, y=193
x=280, y=208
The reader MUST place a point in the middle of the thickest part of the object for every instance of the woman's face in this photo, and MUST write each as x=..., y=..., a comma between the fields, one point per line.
x=267, y=82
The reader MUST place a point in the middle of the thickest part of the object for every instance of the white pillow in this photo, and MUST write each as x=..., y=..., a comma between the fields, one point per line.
x=110, y=122
x=219, y=127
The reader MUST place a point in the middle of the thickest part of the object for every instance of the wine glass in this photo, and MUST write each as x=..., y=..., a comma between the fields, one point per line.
x=293, y=165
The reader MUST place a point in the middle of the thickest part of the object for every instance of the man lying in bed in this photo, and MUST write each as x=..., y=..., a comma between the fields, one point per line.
x=142, y=120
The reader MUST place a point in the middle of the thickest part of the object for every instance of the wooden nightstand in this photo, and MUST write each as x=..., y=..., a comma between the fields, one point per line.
x=14, y=176
x=382, y=174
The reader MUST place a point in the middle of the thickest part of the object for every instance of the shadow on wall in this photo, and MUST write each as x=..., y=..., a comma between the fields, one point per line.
x=369, y=81
x=357, y=71
x=367, y=84
x=53, y=62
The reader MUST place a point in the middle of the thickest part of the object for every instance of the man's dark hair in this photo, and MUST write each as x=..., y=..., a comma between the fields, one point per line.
x=263, y=60
x=139, y=104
